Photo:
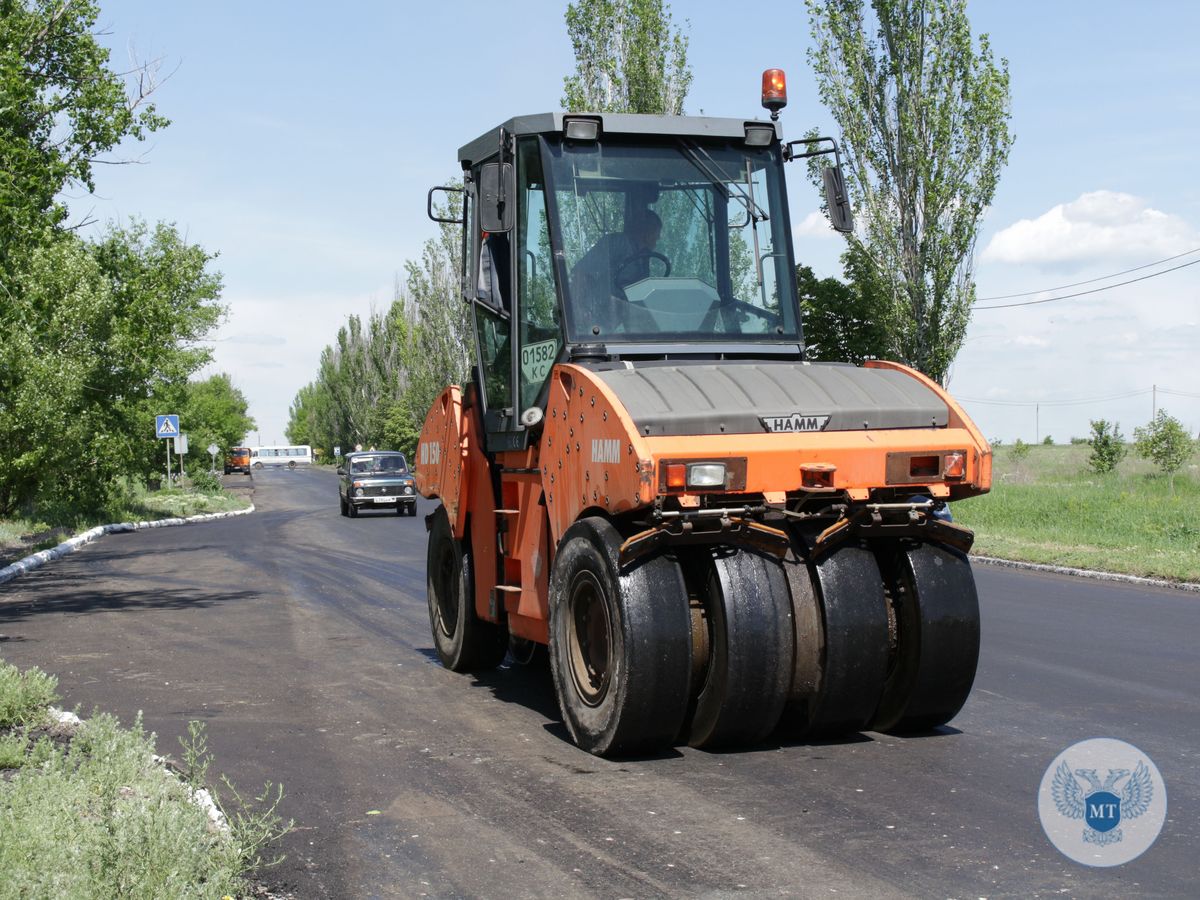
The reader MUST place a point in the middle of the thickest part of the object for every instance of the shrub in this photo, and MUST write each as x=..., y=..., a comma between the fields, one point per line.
x=1020, y=450
x=1048, y=441
x=205, y=482
x=24, y=696
x=1166, y=443
x=1108, y=446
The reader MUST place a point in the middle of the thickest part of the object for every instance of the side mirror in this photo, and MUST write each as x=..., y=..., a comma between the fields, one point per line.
x=429, y=204
x=837, y=200
x=341, y=471
x=495, y=210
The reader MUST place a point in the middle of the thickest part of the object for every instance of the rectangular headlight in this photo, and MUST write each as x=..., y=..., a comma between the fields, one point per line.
x=706, y=475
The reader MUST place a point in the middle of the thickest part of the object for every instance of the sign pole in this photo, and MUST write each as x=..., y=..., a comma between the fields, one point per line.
x=166, y=427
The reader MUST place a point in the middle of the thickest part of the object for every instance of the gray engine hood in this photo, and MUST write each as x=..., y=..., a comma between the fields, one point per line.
x=733, y=397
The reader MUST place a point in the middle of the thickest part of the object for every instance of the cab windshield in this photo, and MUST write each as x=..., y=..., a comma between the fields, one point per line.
x=678, y=241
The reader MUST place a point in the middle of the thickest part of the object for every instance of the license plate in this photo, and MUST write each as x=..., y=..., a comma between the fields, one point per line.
x=385, y=499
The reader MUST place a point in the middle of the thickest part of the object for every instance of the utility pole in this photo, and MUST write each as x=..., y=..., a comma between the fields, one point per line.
x=1153, y=401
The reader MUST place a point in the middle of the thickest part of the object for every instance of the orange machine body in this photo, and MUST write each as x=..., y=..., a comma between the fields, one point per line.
x=514, y=506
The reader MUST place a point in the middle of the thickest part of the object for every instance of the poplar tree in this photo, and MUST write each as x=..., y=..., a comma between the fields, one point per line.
x=923, y=111
x=629, y=58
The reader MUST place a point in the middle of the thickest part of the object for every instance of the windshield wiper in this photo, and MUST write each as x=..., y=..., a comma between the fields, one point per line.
x=693, y=152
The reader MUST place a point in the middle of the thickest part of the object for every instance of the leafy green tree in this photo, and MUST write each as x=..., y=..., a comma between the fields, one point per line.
x=84, y=340
x=62, y=110
x=924, y=120
x=213, y=411
x=629, y=58
x=1048, y=441
x=438, y=347
x=1020, y=451
x=309, y=418
x=1164, y=441
x=402, y=427
x=1108, y=446
x=96, y=330
x=839, y=317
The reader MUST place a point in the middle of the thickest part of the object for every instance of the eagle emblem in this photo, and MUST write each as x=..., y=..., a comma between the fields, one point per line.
x=1101, y=809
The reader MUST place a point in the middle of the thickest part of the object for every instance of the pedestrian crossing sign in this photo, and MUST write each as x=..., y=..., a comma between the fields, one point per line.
x=166, y=426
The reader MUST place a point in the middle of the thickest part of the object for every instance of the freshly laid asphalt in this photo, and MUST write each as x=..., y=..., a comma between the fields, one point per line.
x=301, y=639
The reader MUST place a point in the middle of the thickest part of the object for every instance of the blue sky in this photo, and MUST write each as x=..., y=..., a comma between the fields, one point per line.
x=305, y=136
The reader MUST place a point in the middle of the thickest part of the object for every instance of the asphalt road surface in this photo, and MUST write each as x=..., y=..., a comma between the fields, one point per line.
x=302, y=639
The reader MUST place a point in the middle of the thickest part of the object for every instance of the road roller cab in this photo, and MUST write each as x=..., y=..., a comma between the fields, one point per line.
x=714, y=536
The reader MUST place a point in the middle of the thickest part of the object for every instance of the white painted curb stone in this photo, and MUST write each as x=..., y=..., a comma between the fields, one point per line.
x=37, y=560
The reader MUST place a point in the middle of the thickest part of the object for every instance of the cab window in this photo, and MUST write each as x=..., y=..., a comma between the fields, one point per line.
x=540, y=331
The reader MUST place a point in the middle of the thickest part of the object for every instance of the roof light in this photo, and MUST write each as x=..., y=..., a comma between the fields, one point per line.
x=774, y=91
x=759, y=135
x=581, y=129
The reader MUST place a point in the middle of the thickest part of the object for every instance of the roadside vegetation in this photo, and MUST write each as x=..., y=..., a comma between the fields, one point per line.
x=87, y=810
x=99, y=330
x=1048, y=505
x=130, y=501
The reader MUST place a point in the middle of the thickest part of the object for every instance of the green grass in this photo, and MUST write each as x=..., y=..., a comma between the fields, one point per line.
x=132, y=502
x=96, y=816
x=181, y=503
x=1049, y=508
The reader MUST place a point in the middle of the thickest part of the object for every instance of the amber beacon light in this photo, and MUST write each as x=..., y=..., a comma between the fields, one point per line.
x=774, y=91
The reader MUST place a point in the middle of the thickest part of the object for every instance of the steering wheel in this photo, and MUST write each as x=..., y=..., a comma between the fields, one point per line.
x=637, y=256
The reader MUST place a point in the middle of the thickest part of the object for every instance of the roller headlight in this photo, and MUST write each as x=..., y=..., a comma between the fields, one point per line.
x=706, y=475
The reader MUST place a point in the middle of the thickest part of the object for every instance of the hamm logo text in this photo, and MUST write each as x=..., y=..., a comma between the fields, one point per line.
x=794, y=422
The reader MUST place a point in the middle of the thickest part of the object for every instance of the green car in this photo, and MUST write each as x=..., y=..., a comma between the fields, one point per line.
x=376, y=479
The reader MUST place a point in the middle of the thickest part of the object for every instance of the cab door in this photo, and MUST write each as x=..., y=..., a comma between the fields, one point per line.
x=516, y=304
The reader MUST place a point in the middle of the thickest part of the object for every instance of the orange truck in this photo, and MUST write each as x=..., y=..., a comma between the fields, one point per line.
x=714, y=536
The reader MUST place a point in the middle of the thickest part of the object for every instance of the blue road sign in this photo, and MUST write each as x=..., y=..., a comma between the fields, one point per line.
x=166, y=426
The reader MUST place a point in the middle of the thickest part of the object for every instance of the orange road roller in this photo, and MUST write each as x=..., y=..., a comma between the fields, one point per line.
x=716, y=538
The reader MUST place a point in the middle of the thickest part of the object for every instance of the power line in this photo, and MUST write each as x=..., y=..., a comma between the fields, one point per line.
x=1063, y=287
x=1092, y=291
x=1076, y=402
x=1079, y=400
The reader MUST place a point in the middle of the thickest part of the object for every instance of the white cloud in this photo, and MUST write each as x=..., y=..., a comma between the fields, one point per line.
x=1098, y=225
x=815, y=225
x=1030, y=340
x=257, y=339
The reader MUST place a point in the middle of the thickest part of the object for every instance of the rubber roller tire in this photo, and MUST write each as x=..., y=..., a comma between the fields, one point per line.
x=841, y=635
x=620, y=644
x=464, y=642
x=749, y=669
x=937, y=637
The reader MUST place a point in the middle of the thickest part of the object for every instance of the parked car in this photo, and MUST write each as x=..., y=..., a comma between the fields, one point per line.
x=376, y=479
x=237, y=460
